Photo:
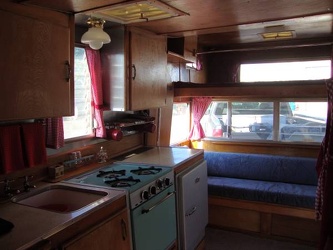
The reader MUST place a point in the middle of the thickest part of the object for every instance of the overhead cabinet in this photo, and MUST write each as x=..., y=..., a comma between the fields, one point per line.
x=134, y=70
x=36, y=63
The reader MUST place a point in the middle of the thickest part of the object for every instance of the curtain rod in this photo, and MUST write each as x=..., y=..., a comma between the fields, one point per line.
x=265, y=48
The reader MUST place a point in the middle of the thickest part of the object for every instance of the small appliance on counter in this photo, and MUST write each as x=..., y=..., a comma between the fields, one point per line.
x=56, y=171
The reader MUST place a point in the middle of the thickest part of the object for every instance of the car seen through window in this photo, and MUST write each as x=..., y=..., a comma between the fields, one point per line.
x=297, y=121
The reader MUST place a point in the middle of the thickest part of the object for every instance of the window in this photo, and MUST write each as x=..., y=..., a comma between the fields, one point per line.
x=81, y=124
x=266, y=120
x=278, y=121
x=307, y=123
x=180, y=125
x=292, y=121
x=286, y=71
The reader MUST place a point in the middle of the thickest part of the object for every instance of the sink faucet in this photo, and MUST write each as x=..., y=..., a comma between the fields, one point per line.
x=26, y=185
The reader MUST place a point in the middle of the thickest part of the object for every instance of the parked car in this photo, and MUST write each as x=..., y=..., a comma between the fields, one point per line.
x=211, y=126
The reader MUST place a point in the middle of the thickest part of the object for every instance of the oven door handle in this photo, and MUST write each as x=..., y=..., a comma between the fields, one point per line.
x=144, y=211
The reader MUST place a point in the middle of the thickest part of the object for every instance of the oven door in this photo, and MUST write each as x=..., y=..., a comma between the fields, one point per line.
x=154, y=222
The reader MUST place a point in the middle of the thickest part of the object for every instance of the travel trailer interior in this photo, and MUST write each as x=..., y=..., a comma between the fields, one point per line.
x=173, y=117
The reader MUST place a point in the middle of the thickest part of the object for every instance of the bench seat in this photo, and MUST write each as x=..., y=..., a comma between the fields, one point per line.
x=265, y=191
x=270, y=195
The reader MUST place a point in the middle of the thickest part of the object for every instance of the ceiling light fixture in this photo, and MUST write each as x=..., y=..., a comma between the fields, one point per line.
x=278, y=35
x=134, y=11
x=277, y=32
x=95, y=36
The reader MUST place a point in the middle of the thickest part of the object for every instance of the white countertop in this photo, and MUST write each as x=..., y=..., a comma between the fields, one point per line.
x=164, y=156
x=32, y=225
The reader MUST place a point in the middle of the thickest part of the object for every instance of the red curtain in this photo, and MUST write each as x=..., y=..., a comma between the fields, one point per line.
x=94, y=64
x=54, y=133
x=324, y=198
x=199, y=106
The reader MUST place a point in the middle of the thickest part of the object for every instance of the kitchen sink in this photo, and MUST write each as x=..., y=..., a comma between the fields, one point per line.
x=60, y=198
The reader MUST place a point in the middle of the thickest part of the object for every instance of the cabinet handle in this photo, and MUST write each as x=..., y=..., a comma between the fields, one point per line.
x=123, y=229
x=68, y=71
x=134, y=71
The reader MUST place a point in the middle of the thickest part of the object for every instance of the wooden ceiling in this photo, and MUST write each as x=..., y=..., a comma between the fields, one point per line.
x=227, y=23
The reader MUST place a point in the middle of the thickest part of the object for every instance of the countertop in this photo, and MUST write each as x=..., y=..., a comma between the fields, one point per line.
x=165, y=156
x=31, y=225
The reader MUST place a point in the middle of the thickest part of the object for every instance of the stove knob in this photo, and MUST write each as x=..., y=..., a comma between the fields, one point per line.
x=153, y=189
x=166, y=181
x=159, y=183
x=144, y=195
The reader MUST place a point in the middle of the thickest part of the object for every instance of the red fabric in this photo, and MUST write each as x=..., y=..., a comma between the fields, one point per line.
x=11, y=156
x=324, y=167
x=34, y=144
x=198, y=63
x=94, y=64
x=54, y=133
x=199, y=106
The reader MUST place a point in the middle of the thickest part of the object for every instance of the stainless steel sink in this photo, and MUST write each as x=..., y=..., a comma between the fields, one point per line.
x=60, y=198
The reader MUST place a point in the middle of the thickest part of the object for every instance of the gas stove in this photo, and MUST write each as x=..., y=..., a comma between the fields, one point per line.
x=142, y=181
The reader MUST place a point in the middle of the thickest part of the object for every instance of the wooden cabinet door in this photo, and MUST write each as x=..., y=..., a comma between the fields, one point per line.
x=113, y=234
x=148, y=71
x=35, y=64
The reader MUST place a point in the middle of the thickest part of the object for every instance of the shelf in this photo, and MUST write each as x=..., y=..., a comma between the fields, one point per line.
x=124, y=123
x=175, y=58
x=286, y=89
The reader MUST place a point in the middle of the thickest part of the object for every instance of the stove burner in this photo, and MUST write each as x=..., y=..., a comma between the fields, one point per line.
x=146, y=171
x=122, y=182
x=111, y=173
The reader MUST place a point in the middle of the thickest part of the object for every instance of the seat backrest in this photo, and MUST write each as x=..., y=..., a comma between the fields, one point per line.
x=298, y=170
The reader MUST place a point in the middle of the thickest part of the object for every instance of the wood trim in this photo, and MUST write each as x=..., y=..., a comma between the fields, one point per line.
x=262, y=207
x=264, y=219
x=264, y=90
x=253, y=147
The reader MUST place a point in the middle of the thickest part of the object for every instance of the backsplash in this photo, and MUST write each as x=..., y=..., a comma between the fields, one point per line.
x=113, y=148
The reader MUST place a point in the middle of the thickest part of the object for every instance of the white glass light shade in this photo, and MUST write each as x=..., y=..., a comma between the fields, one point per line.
x=95, y=45
x=95, y=37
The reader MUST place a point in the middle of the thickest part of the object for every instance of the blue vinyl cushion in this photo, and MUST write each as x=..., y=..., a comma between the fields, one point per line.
x=272, y=192
x=268, y=178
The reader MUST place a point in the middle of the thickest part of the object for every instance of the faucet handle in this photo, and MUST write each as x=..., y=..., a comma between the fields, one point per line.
x=8, y=191
x=26, y=185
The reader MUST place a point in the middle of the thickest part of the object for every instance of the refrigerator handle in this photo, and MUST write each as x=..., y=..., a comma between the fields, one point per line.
x=191, y=211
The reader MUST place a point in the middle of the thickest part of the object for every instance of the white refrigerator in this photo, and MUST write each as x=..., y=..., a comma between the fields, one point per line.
x=192, y=205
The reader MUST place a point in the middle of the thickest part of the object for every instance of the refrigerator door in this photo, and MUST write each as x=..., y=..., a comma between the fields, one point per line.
x=193, y=205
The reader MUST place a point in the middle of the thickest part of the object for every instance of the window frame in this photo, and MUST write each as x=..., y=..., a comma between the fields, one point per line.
x=92, y=134
x=276, y=122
